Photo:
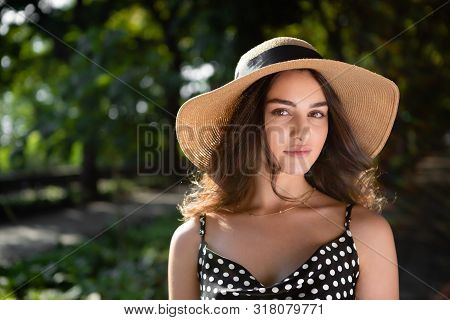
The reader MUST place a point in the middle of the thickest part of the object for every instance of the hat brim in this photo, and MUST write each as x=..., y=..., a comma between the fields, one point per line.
x=370, y=103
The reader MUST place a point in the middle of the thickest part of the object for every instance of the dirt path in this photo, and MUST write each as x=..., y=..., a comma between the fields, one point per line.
x=30, y=236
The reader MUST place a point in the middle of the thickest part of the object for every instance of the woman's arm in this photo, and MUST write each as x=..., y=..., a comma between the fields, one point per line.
x=183, y=281
x=375, y=245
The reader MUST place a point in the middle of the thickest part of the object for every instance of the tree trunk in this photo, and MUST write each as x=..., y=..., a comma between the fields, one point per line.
x=89, y=174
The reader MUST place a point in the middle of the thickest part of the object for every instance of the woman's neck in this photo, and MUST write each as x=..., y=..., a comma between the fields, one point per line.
x=262, y=198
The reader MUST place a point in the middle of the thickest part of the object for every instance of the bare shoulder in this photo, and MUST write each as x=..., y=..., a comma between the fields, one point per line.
x=187, y=233
x=183, y=281
x=374, y=241
x=370, y=226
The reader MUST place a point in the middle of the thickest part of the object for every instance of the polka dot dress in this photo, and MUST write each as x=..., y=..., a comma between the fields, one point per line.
x=330, y=273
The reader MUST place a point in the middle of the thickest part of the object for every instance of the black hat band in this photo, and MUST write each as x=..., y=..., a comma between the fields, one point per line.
x=275, y=55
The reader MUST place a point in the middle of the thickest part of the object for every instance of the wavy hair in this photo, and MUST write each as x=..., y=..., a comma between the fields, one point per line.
x=343, y=170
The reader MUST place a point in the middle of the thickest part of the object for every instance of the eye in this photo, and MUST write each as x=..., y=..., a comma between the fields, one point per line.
x=318, y=112
x=277, y=111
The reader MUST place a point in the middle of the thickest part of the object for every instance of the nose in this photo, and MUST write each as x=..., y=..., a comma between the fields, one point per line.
x=300, y=129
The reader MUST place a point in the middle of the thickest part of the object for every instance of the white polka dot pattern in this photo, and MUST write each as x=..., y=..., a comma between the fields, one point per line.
x=330, y=273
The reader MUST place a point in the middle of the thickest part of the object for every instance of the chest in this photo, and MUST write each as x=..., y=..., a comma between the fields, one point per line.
x=272, y=252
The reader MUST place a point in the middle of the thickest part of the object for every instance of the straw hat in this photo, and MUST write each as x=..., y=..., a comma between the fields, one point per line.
x=370, y=101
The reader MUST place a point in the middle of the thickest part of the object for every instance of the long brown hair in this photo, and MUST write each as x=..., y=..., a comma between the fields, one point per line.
x=343, y=170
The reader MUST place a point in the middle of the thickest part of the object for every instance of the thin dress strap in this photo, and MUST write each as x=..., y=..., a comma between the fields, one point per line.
x=348, y=215
x=202, y=227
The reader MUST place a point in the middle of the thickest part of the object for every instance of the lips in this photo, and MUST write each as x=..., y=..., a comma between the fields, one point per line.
x=298, y=154
x=299, y=149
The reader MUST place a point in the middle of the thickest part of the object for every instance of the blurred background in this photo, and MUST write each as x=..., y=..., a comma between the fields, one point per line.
x=89, y=180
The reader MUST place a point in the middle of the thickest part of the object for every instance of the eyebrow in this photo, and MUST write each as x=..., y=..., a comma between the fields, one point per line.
x=292, y=104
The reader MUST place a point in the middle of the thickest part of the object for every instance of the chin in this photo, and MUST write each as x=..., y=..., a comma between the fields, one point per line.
x=294, y=166
x=294, y=169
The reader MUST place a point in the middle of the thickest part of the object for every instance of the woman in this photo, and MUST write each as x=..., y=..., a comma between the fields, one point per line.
x=286, y=204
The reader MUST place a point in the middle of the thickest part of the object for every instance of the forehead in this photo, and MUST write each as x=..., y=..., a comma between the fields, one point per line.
x=295, y=85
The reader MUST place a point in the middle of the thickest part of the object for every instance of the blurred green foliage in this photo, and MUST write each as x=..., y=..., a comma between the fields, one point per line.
x=123, y=263
x=77, y=78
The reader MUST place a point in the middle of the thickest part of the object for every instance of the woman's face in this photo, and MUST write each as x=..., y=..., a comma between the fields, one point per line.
x=291, y=114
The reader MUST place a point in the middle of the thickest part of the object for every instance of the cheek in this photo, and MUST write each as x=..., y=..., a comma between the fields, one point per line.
x=277, y=138
x=324, y=134
x=318, y=138
x=322, y=131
